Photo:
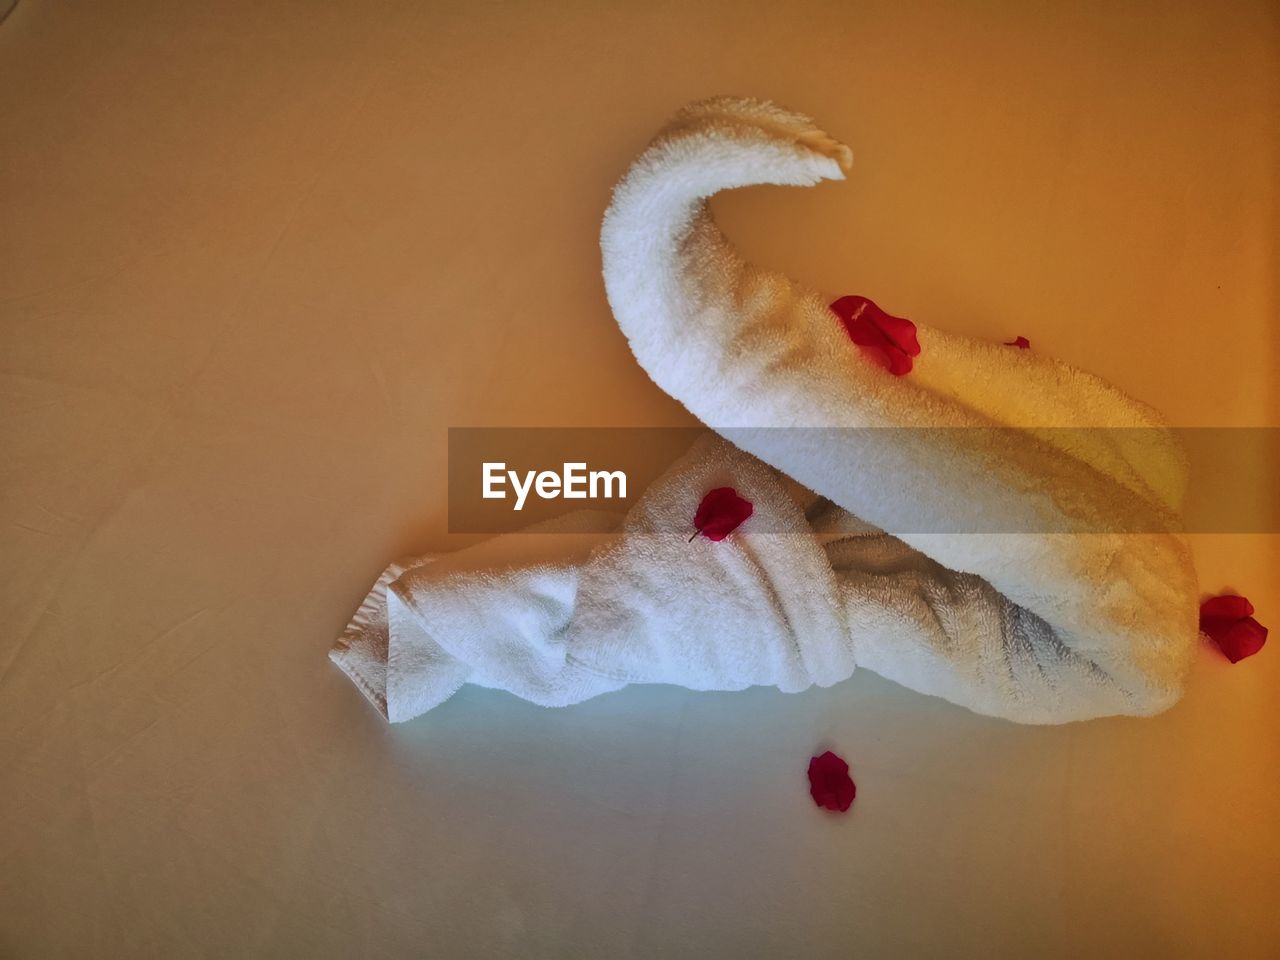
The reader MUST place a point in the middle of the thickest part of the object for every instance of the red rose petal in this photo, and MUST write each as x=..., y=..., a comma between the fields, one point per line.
x=1228, y=622
x=720, y=513
x=888, y=340
x=1022, y=343
x=829, y=782
x=1226, y=607
x=1241, y=639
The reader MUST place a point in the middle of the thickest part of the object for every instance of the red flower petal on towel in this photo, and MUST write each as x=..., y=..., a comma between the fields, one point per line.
x=720, y=513
x=888, y=340
x=1022, y=343
x=829, y=782
x=1228, y=621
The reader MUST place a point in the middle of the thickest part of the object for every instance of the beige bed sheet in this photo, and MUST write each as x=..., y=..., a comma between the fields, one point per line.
x=256, y=257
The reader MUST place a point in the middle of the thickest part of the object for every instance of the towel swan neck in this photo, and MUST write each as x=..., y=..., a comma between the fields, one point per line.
x=974, y=442
x=670, y=272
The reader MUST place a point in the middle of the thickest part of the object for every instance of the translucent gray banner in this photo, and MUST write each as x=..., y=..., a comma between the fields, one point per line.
x=1198, y=480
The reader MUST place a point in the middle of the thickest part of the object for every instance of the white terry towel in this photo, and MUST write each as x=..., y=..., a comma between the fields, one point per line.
x=747, y=348
x=1035, y=627
x=788, y=600
x=558, y=617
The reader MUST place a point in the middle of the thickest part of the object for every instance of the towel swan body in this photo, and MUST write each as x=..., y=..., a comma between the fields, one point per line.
x=1065, y=620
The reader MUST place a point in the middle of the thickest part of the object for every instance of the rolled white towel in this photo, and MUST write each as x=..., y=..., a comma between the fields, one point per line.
x=977, y=440
x=591, y=604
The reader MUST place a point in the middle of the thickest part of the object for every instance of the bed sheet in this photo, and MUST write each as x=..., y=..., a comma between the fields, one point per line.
x=256, y=258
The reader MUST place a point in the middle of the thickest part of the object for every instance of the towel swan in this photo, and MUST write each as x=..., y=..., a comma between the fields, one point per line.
x=1065, y=619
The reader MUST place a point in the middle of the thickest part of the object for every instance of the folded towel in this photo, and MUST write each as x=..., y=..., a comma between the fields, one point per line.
x=747, y=348
x=588, y=604
x=1066, y=621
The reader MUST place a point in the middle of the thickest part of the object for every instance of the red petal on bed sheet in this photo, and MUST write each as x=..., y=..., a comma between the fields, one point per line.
x=830, y=784
x=1228, y=622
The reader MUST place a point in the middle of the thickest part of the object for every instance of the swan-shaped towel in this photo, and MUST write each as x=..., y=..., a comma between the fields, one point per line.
x=1066, y=618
